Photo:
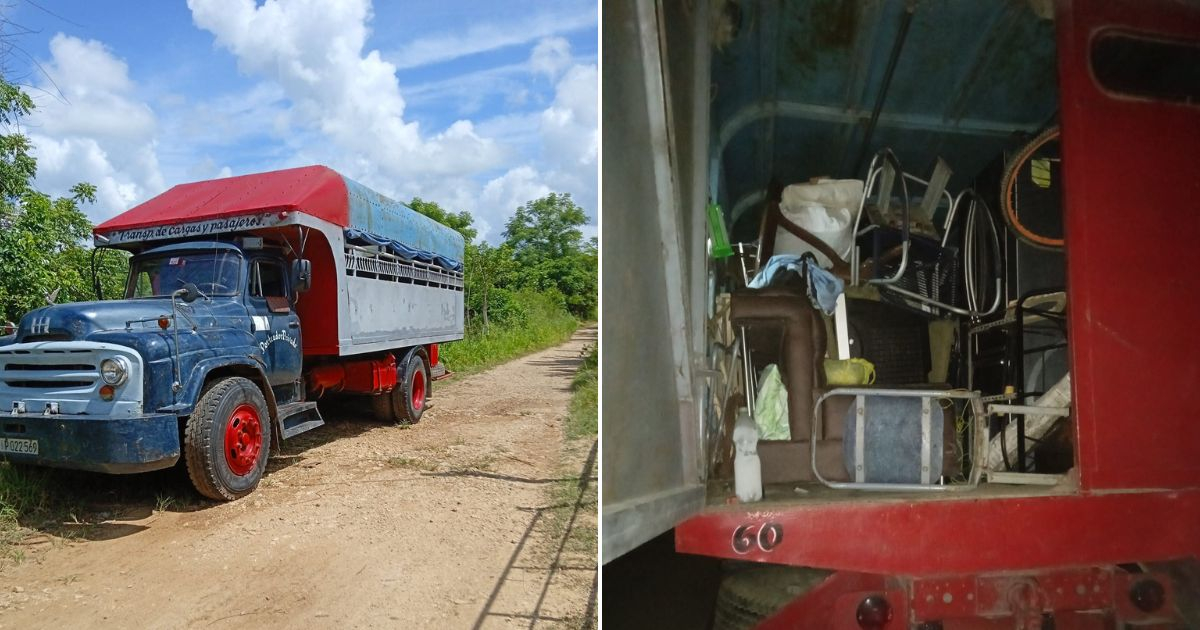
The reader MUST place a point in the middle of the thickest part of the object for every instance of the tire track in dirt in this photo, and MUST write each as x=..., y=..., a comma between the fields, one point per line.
x=356, y=525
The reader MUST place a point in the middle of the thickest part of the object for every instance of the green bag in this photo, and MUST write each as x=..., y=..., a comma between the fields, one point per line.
x=771, y=406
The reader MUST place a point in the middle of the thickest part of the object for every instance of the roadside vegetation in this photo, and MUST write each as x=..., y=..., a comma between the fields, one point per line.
x=537, y=321
x=524, y=294
x=584, y=419
x=530, y=291
x=572, y=515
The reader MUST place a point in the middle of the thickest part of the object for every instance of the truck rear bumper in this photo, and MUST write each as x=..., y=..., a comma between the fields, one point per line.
x=101, y=444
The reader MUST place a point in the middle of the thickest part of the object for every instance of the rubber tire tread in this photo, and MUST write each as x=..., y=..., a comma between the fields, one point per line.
x=202, y=460
x=401, y=395
x=1021, y=158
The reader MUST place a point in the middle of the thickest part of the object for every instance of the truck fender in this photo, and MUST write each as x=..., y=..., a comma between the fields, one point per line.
x=405, y=355
x=206, y=370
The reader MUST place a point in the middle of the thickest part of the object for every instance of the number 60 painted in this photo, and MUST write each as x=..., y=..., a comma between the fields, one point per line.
x=766, y=536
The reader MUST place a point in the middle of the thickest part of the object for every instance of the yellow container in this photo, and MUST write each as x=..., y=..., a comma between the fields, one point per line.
x=845, y=372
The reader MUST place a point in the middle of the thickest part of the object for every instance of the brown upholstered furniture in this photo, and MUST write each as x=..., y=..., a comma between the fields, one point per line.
x=783, y=328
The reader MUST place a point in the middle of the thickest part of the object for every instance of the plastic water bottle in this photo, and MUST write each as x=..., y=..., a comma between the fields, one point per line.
x=747, y=468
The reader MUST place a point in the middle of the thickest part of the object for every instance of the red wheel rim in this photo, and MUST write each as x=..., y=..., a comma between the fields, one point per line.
x=418, y=389
x=243, y=439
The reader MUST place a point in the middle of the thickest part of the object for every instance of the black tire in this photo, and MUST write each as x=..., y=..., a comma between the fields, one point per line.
x=233, y=407
x=408, y=404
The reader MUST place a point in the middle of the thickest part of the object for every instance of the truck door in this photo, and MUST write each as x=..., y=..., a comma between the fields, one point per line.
x=1130, y=129
x=654, y=472
x=275, y=325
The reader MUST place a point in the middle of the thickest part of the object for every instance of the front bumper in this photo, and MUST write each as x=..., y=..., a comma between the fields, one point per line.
x=101, y=444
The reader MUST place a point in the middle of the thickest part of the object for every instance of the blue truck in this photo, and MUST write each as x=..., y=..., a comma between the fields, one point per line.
x=248, y=299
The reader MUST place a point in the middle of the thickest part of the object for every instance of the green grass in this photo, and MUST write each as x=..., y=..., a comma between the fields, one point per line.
x=542, y=324
x=565, y=496
x=70, y=504
x=584, y=419
x=25, y=493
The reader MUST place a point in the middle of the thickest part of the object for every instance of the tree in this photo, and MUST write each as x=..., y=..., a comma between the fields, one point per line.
x=17, y=167
x=488, y=268
x=545, y=229
x=42, y=252
x=548, y=244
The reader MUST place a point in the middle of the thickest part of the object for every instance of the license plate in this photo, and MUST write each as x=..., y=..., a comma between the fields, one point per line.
x=15, y=445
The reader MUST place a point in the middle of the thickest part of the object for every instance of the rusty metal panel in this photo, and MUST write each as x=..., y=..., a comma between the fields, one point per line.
x=962, y=534
x=1093, y=597
x=1130, y=170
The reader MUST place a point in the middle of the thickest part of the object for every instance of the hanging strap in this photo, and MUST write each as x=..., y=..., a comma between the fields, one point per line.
x=774, y=219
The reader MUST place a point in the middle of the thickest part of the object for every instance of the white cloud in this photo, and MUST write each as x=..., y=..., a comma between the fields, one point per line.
x=568, y=134
x=315, y=53
x=571, y=137
x=569, y=125
x=98, y=131
x=550, y=56
x=504, y=194
x=478, y=38
x=341, y=105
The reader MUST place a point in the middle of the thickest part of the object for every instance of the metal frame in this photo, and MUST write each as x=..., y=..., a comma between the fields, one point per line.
x=370, y=260
x=883, y=169
x=1083, y=598
x=884, y=165
x=976, y=436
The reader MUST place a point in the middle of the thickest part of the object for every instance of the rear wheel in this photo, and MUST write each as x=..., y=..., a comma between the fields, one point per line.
x=227, y=439
x=417, y=391
x=406, y=403
x=411, y=395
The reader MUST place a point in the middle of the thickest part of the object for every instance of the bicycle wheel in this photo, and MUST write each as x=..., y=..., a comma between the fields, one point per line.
x=1031, y=192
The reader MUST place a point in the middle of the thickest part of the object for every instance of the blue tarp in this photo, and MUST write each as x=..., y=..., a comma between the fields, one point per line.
x=359, y=237
x=388, y=219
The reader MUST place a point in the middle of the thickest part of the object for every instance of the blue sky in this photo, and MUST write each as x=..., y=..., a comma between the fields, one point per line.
x=479, y=106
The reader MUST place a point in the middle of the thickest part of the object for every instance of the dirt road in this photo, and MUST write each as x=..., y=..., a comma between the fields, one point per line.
x=464, y=520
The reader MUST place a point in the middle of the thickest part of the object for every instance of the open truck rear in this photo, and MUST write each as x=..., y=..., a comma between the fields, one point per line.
x=1092, y=517
x=248, y=299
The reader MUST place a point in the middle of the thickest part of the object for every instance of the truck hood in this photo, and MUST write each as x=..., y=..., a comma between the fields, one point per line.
x=79, y=320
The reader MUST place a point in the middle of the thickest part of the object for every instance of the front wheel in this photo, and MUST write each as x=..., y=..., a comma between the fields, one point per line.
x=227, y=439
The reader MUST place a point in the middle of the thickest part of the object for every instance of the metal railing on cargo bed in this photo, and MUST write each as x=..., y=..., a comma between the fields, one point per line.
x=370, y=262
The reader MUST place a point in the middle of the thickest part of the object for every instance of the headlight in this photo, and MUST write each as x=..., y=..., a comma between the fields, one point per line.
x=114, y=371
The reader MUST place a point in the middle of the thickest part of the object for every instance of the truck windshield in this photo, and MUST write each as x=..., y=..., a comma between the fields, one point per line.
x=214, y=273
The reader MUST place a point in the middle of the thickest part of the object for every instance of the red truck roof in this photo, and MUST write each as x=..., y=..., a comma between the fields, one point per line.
x=318, y=190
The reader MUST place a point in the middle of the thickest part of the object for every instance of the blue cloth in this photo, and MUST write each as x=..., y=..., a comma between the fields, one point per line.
x=823, y=287
x=358, y=237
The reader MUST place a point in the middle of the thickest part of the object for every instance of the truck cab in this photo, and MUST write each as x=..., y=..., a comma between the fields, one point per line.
x=245, y=296
x=100, y=385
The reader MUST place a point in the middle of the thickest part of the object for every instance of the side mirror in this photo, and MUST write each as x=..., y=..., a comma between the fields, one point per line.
x=301, y=275
x=189, y=293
